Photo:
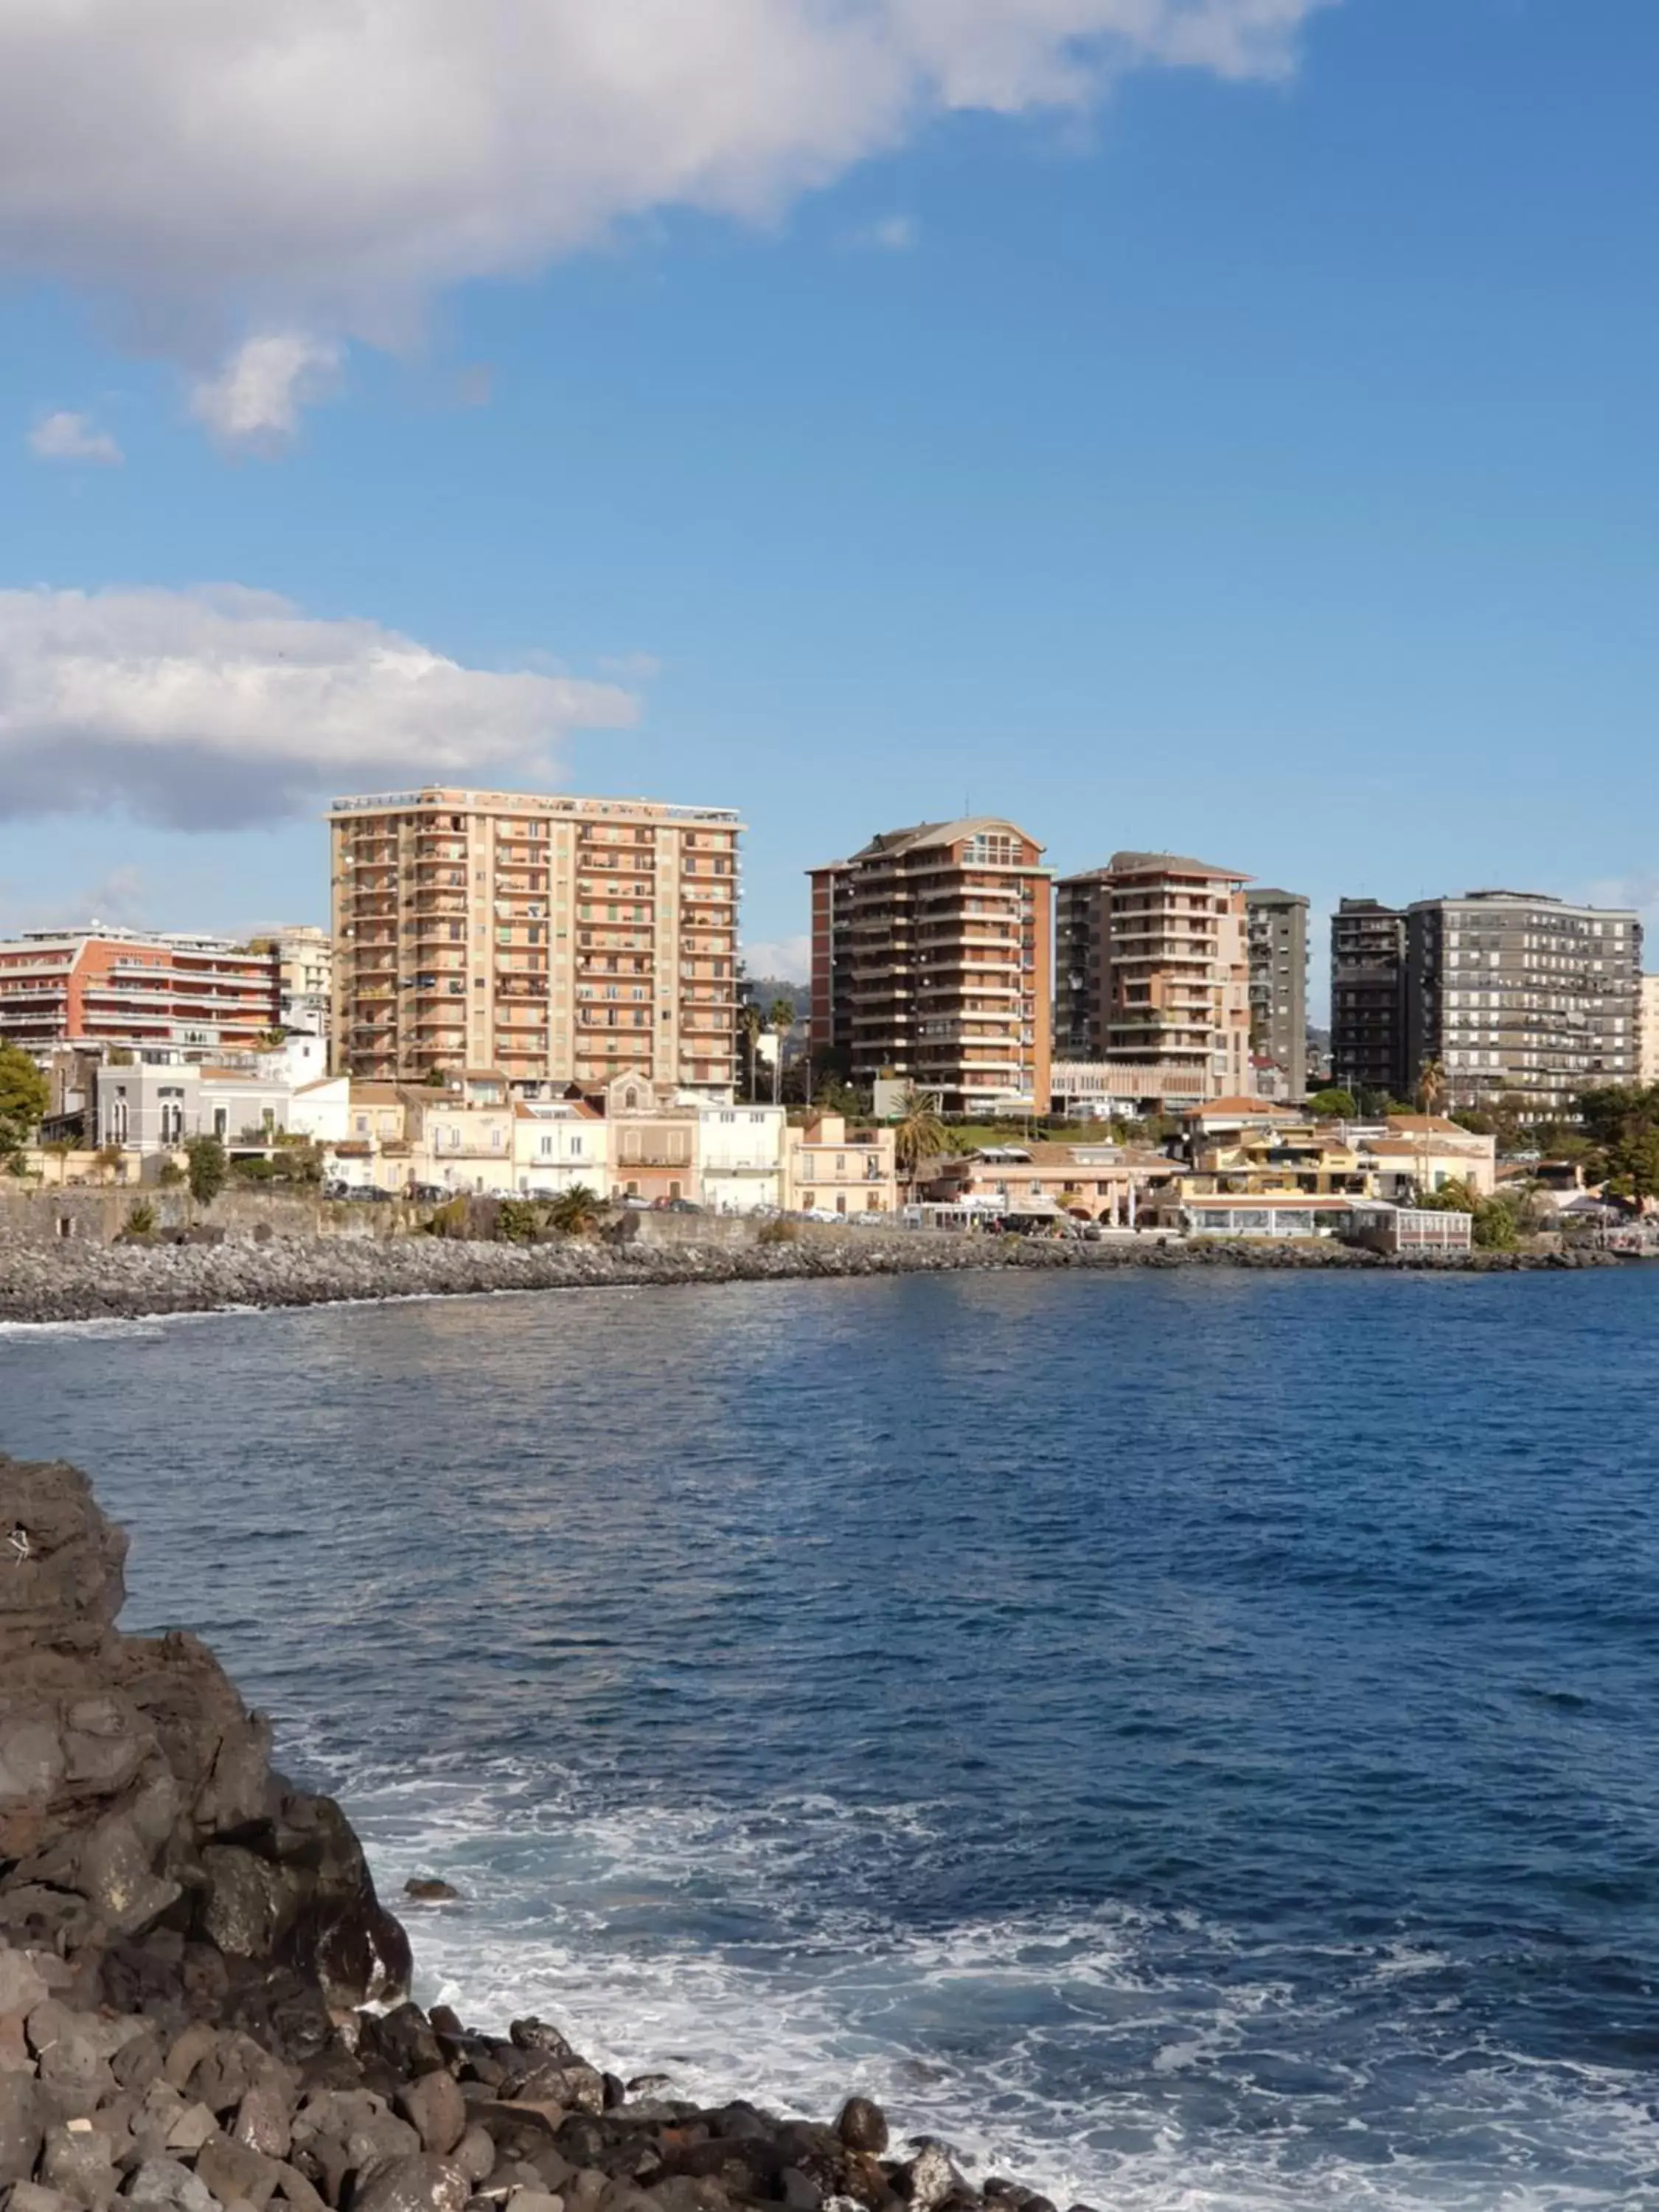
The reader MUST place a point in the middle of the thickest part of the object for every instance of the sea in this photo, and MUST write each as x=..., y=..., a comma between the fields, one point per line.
x=1187, y=1740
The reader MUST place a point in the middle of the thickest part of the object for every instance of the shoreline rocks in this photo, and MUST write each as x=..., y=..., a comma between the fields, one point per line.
x=188, y=1945
x=75, y=1282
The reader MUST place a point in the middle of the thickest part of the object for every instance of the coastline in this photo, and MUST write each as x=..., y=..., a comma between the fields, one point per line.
x=83, y=1282
x=204, y=2004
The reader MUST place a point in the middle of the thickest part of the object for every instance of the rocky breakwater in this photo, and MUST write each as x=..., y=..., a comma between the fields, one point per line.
x=203, y=2005
x=76, y=1282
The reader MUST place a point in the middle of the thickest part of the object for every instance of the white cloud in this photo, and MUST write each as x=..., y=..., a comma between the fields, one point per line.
x=789, y=957
x=255, y=399
x=323, y=169
x=222, y=706
x=66, y=437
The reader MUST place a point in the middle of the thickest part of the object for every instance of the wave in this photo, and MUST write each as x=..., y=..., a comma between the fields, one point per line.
x=1154, y=2063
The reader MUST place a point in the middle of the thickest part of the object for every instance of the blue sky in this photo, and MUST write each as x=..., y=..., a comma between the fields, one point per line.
x=1259, y=465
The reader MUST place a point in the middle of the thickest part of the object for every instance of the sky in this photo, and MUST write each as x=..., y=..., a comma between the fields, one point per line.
x=1224, y=426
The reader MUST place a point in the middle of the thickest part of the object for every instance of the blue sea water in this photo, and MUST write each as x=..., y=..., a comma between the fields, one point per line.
x=1189, y=1739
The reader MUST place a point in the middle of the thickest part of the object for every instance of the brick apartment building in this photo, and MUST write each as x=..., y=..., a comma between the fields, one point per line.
x=1153, y=968
x=556, y=939
x=163, y=997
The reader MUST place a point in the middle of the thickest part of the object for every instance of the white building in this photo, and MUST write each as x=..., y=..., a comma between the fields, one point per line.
x=560, y=1144
x=740, y=1157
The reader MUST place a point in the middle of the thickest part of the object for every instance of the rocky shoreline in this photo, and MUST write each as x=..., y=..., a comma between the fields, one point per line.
x=79, y=1282
x=204, y=2007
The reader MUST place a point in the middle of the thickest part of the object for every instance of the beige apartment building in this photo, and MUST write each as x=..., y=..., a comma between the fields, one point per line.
x=828, y=1171
x=931, y=963
x=556, y=939
x=1649, y=1068
x=1152, y=966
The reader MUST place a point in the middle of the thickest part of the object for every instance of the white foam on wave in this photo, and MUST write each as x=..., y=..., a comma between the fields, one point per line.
x=692, y=1940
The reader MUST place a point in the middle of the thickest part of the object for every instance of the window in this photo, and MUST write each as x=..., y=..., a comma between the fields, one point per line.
x=221, y=1119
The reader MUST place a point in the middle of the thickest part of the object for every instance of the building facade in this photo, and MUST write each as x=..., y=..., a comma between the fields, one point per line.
x=1514, y=995
x=1368, y=999
x=558, y=940
x=828, y=1171
x=1152, y=966
x=1276, y=925
x=1648, y=1071
x=740, y=1157
x=933, y=958
x=160, y=997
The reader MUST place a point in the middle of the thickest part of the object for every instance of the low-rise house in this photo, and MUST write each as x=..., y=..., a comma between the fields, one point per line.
x=653, y=1139
x=560, y=1144
x=140, y=1106
x=1425, y=1152
x=1220, y=1120
x=740, y=1157
x=1112, y=1184
x=1297, y=1156
x=828, y=1171
x=462, y=1147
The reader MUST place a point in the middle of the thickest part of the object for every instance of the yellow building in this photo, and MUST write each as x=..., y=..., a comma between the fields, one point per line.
x=828, y=1171
x=557, y=939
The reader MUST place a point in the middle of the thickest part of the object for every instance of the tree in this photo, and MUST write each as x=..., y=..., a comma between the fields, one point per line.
x=206, y=1168
x=575, y=1211
x=1453, y=1197
x=25, y=1095
x=783, y=1020
x=110, y=1157
x=1334, y=1105
x=1430, y=1087
x=753, y=1021
x=918, y=1134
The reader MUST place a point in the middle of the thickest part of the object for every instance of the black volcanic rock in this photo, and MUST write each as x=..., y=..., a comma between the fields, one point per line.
x=188, y=1944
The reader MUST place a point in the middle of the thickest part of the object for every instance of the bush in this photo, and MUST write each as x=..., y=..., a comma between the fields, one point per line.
x=170, y=1175
x=207, y=1168
x=449, y=1219
x=254, y=1170
x=1496, y=1229
x=517, y=1221
x=780, y=1231
x=141, y=1219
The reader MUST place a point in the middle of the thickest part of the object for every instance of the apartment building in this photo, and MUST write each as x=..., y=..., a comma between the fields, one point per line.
x=1276, y=932
x=1152, y=968
x=1649, y=1069
x=557, y=939
x=1515, y=994
x=740, y=1150
x=161, y=997
x=933, y=958
x=1367, y=998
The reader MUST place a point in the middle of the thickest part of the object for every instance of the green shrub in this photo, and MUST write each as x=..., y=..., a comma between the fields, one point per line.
x=207, y=1170
x=171, y=1174
x=781, y=1231
x=517, y=1221
x=141, y=1219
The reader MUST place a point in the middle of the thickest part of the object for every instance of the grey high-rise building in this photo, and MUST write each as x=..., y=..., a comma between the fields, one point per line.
x=1277, y=934
x=1514, y=995
x=1367, y=998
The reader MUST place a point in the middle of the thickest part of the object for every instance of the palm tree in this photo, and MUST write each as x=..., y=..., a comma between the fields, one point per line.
x=1431, y=1087
x=753, y=1023
x=575, y=1211
x=919, y=1135
x=783, y=1020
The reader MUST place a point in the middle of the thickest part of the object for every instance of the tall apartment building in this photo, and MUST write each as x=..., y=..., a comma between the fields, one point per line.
x=1152, y=968
x=1277, y=933
x=932, y=961
x=1648, y=1071
x=160, y=996
x=553, y=940
x=1368, y=999
x=1515, y=994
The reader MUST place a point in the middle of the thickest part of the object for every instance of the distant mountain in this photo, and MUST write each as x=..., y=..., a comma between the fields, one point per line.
x=760, y=990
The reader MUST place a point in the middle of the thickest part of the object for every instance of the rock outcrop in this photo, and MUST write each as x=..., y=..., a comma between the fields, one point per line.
x=188, y=1945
